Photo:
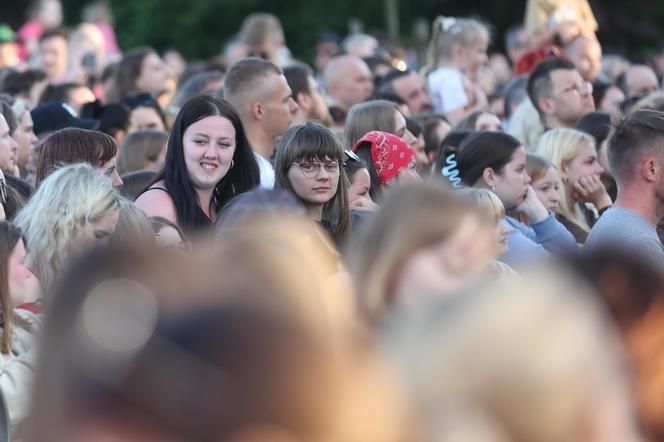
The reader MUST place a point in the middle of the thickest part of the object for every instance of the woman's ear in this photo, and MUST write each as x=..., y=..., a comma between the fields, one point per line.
x=564, y=167
x=489, y=178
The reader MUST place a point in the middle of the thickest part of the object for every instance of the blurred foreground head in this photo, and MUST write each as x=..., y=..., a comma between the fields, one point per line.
x=516, y=361
x=145, y=345
x=424, y=243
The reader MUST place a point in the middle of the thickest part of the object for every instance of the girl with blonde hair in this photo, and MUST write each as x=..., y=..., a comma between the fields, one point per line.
x=423, y=243
x=581, y=191
x=456, y=53
x=74, y=208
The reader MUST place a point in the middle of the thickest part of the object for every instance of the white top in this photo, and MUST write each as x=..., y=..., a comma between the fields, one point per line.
x=267, y=172
x=446, y=89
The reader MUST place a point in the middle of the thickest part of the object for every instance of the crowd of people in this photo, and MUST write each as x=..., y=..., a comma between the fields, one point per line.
x=252, y=248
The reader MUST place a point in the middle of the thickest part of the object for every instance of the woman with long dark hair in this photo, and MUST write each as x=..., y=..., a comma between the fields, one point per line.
x=208, y=162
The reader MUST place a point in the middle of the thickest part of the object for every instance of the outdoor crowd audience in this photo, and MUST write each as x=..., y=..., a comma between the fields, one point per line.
x=466, y=247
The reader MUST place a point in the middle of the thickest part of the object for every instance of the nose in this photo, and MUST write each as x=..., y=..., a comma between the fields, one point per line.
x=293, y=105
x=322, y=174
x=528, y=180
x=116, y=181
x=13, y=144
x=600, y=169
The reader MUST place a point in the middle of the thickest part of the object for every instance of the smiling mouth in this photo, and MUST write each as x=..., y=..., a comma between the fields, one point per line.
x=209, y=167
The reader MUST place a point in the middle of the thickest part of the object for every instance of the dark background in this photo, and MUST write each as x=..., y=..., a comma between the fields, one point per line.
x=199, y=28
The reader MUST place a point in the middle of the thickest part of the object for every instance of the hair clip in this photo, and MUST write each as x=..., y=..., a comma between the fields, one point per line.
x=3, y=189
x=451, y=172
x=350, y=155
x=448, y=23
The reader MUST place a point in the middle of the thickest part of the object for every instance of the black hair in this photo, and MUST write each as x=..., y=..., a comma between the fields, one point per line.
x=483, y=150
x=243, y=176
x=450, y=145
x=144, y=99
x=596, y=124
x=297, y=76
x=387, y=96
x=58, y=92
x=414, y=127
x=114, y=118
x=385, y=84
x=352, y=163
x=58, y=32
x=364, y=153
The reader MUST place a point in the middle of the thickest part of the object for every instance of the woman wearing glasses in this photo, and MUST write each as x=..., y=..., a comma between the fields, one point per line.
x=308, y=164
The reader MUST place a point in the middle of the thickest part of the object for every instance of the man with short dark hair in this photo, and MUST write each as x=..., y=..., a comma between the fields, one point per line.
x=260, y=93
x=306, y=93
x=559, y=93
x=54, y=54
x=410, y=86
x=636, y=157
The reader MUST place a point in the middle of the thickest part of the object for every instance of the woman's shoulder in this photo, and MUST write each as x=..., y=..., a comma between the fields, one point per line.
x=157, y=201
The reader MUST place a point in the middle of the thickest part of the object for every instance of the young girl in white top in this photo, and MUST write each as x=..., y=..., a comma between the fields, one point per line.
x=456, y=52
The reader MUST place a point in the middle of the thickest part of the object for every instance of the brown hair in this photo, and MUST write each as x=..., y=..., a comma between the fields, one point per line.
x=139, y=147
x=631, y=134
x=413, y=217
x=126, y=73
x=247, y=76
x=72, y=145
x=371, y=115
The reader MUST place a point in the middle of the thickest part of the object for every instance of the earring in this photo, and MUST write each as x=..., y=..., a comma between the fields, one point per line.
x=493, y=188
x=232, y=164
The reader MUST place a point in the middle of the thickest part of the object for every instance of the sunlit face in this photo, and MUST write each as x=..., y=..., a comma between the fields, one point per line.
x=546, y=189
x=511, y=184
x=53, y=54
x=279, y=105
x=25, y=139
x=401, y=130
x=571, y=96
x=583, y=165
x=412, y=88
x=613, y=98
x=8, y=148
x=354, y=85
x=488, y=122
x=474, y=56
x=446, y=266
x=407, y=175
x=153, y=76
x=19, y=274
x=421, y=158
x=169, y=237
x=110, y=171
x=359, y=188
x=208, y=148
x=103, y=228
x=145, y=118
x=500, y=231
x=314, y=182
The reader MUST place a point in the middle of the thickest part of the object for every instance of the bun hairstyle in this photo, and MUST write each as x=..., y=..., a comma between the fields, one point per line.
x=483, y=150
x=449, y=31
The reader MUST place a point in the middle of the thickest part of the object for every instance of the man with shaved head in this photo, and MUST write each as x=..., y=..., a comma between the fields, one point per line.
x=348, y=81
x=260, y=93
x=638, y=79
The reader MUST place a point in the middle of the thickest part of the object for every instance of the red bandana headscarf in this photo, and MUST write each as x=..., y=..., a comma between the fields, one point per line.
x=389, y=153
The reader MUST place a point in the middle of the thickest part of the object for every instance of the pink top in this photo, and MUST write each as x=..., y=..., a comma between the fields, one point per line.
x=31, y=30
